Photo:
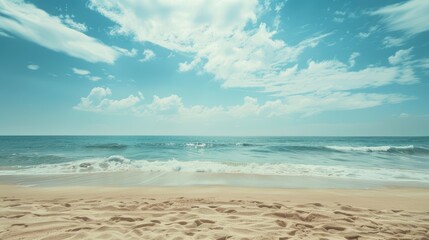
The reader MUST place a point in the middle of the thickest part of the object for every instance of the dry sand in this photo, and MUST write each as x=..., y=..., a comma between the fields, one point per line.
x=212, y=213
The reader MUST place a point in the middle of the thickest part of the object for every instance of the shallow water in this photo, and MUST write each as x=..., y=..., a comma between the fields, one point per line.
x=395, y=159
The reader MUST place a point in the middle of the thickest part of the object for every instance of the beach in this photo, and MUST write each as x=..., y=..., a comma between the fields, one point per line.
x=212, y=212
x=167, y=187
x=217, y=120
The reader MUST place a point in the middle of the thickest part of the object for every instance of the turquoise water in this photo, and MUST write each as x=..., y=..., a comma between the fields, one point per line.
x=356, y=158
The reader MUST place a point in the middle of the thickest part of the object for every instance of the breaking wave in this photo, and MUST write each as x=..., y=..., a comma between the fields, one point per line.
x=393, y=149
x=118, y=163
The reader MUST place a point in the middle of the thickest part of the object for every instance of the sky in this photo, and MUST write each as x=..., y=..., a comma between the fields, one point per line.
x=214, y=67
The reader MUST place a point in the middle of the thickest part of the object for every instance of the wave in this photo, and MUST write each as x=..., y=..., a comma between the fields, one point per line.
x=118, y=163
x=107, y=146
x=410, y=149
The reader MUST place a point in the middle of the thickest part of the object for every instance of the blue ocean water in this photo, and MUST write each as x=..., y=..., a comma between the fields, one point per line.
x=361, y=158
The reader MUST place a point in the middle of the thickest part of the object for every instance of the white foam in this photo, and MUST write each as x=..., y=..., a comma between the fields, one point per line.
x=370, y=149
x=119, y=163
x=196, y=145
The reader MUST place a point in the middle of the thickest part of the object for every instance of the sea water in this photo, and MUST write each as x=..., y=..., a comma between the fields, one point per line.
x=395, y=159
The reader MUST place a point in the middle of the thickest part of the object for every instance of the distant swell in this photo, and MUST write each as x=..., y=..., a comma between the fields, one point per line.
x=392, y=149
x=107, y=146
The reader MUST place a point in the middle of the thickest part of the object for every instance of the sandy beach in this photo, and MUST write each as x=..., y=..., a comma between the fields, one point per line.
x=213, y=212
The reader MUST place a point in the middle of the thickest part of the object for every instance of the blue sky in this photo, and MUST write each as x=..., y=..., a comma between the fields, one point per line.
x=233, y=67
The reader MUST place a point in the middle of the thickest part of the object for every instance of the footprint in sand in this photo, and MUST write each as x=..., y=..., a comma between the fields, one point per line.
x=85, y=219
x=145, y=225
x=182, y=223
x=199, y=222
x=124, y=219
x=19, y=225
x=281, y=223
x=78, y=229
x=333, y=227
x=15, y=216
x=343, y=213
x=352, y=236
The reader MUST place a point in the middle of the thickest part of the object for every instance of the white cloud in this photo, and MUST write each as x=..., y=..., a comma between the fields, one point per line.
x=393, y=42
x=371, y=30
x=338, y=19
x=33, y=24
x=147, y=55
x=94, y=78
x=81, y=27
x=401, y=56
x=404, y=115
x=86, y=74
x=126, y=52
x=227, y=40
x=424, y=63
x=80, y=71
x=352, y=58
x=224, y=37
x=410, y=17
x=166, y=105
x=172, y=107
x=98, y=101
x=279, y=6
x=340, y=16
x=185, y=66
x=332, y=76
x=248, y=108
x=33, y=67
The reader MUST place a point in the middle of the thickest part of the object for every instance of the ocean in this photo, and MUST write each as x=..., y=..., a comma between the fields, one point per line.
x=390, y=160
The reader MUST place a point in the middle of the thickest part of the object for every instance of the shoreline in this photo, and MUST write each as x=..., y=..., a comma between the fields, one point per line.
x=212, y=212
x=200, y=179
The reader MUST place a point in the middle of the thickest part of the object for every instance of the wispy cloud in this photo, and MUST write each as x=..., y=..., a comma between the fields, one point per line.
x=147, y=55
x=80, y=71
x=352, y=58
x=401, y=56
x=410, y=17
x=393, y=41
x=33, y=67
x=371, y=30
x=86, y=74
x=33, y=24
x=68, y=20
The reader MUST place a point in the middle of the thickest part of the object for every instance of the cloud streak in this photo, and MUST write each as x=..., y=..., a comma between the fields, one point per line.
x=410, y=17
x=25, y=20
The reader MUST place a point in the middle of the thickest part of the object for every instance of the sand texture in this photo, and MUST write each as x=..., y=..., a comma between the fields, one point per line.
x=213, y=213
